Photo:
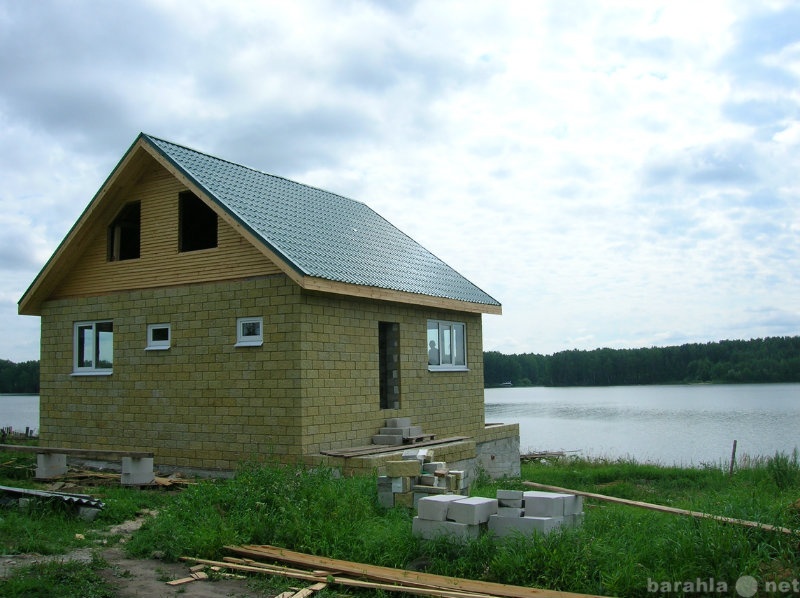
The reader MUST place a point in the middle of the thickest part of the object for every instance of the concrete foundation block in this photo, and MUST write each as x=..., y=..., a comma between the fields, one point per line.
x=403, y=484
x=389, y=439
x=508, y=526
x=472, y=511
x=386, y=499
x=50, y=466
x=510, y=511
x=430, y=530
x=435, y=507
x=403, y=468
x=398, y=422
x=573, y=505
x=545, y=504
x=137, y=472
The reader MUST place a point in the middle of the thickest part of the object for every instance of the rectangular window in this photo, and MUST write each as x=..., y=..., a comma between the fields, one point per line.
x=94, y=348
x=447, y=345
x=389, y=364
x=124, y=234
x=158, y=337
x=197, y=223
x=249, y=332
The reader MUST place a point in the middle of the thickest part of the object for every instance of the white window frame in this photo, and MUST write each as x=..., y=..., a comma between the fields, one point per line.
x=90, y=370
x=447, y=334
x=249, y=340
x=158, y=345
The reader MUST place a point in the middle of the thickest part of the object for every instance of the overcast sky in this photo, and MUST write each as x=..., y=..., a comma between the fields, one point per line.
x=616, y=174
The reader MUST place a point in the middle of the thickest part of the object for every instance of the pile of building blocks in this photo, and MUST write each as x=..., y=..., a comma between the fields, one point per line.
x=398, y=431
x=416, y=476
x=512, y=512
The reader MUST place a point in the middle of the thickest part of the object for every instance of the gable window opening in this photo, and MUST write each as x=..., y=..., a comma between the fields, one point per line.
x=389, y=364
x=94, y=348
x=124, y=233
x=249, y=332
x=158, y=337
x=197, y=223
x=447, y=345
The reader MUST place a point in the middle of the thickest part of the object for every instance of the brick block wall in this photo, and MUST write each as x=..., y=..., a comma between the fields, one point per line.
x=313, y=385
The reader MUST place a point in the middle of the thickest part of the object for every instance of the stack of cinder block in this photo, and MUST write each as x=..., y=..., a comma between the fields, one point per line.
x=512, y=512
x=534, y=511
x=397, y=429
x=453, y=515
x=415, y=476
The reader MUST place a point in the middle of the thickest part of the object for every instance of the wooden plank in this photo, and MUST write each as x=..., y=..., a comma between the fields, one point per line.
x=664, y=509
x=378, y=449
x=305, y=592
x=199, y=576
x=396, y=576
x=390, y=587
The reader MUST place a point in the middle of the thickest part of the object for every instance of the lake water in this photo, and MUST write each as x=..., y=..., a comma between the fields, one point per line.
x=683, y=425
x=19, y=412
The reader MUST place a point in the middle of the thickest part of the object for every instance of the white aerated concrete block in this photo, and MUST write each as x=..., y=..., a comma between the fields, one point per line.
x=435, y=529
x=508, y=526
x=389, y=439
x=422, y=455
x=435, y=507
x=573, y=505
x=394, y=431
x=50, y=466
x=545, y=504
x=472, y=511
x=510, y=512
x=398, y=422
x=510, y=494
x=137, y=472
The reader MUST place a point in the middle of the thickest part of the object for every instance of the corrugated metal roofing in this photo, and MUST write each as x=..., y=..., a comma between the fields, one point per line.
x=322, y=234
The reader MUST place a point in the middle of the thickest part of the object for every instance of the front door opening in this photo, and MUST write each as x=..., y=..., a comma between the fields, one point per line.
x=389, y=357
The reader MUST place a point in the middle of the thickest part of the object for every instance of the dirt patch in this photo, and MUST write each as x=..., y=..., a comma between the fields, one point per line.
x=139, y=578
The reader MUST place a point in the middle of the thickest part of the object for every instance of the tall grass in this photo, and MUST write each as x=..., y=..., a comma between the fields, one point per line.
x=616, y=552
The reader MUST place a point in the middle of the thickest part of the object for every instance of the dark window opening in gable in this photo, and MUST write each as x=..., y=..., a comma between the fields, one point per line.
x=124, y=234
x=197, y=223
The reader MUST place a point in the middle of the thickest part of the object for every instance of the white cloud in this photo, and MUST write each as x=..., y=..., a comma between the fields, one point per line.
x=616, y=175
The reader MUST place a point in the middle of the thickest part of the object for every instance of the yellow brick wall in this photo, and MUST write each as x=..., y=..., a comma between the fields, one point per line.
x=204, y=403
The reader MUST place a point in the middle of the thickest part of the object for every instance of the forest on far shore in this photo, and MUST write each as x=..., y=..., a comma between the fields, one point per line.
x=774, y=359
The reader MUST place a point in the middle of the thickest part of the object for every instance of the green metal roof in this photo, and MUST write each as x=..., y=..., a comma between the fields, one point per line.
x=321, y=234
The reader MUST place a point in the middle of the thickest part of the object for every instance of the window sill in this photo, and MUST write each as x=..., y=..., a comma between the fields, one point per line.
x=93, y=373
x=157, y=348
x=448, y=368
x=249, y=344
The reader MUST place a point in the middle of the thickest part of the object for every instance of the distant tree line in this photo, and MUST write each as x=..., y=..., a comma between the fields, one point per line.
x=775, y=359
x=19, y=378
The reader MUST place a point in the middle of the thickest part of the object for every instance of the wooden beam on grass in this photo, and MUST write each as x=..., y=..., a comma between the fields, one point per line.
x=665, y=509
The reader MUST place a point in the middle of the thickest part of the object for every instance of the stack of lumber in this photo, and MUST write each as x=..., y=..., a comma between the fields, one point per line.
x=322, y=570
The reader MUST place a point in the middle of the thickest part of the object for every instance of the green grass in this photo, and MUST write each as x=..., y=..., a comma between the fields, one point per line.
x=69, y=579
x=617, y=551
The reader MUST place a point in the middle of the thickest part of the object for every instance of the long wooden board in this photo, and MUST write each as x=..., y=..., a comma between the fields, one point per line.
x=361, y=451
x=397, y=576
x=664, y=509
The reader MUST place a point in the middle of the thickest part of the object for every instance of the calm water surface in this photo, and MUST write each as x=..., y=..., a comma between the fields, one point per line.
x=684, y=425
x=19, y=411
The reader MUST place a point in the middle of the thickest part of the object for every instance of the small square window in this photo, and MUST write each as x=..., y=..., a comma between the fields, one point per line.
x=249, y=332
x=158, y=337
